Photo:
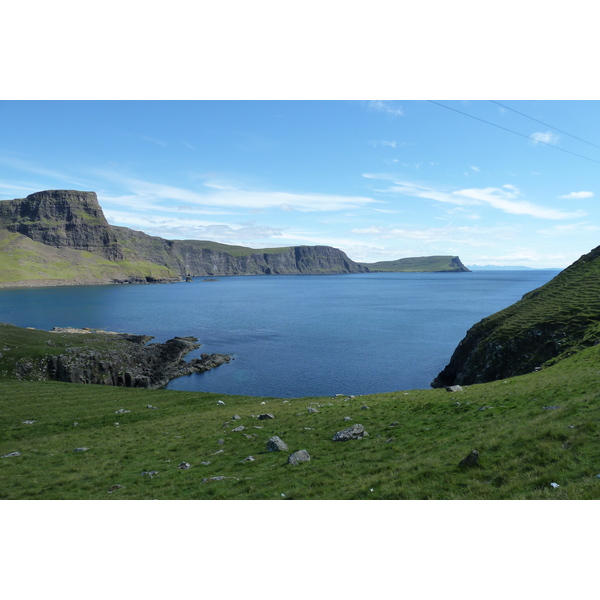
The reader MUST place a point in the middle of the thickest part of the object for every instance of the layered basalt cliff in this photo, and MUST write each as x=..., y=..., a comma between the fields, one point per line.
x=546, y=325
x=74, y=221
x=62, y=219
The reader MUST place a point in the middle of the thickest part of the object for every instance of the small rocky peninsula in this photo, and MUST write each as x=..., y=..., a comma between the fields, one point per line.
x=100, y=357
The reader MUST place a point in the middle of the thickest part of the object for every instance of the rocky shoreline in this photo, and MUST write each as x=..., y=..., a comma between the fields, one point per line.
x=119, y=359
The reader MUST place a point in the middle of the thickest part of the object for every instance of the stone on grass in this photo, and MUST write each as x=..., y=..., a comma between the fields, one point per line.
x=184, y=465
x=347, y=418
x=220, y=403
x=115, y=487
x=554, y=485
x=29, y=422
x=298, y=457
x=454, y=388
x=236, y=418
x=276, y=444
x=80, y=449
x=11, y=454
x=471, y=460
x=356, y=432
x=150, y=474
x=310, y=409
x=240, y=428
x=265, y=416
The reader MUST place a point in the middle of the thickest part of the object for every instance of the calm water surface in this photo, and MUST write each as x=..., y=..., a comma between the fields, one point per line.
x=296, y=335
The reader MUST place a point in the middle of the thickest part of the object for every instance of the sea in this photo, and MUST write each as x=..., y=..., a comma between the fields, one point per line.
x=292, y=336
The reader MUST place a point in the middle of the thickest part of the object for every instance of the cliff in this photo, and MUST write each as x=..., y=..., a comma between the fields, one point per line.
x=62, y=219
x=545, y=326
x=98, y=357
x=61, y=237
x=421, y=264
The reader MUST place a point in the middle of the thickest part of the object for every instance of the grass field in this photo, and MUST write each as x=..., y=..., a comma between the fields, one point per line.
x=531, y=431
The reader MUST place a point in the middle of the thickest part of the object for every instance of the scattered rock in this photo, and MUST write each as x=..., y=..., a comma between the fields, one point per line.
x=11, y=454
x=218, y=452
x=220, y=441
x=312, y=410
x=205, y=463
x=220, y=403
x=485, y=407
x=471, y=460
x=184, y=465
x=356, y=432
x=298, y=457
x=115, y=487
x=29, y=422
x=217, y=478
x=75, y=424
x=236, y=418
x=388, y=440
x=554, y=485
x=239, y=428
x=276, y=444
x=347, y=418
x=121, y=411
x=454, y=388
x=258, y=427
x=152, y=407
x=550, y=407
x=364, y=407
x=265, y=416
x=80, y=449
x=248, y=459
x=150, y=474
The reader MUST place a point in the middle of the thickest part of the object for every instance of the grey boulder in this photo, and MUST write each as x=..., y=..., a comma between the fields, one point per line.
x=276, y=444
x=356, y=432
x=298, y=457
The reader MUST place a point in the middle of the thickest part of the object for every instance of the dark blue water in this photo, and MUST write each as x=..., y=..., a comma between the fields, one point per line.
x=293, y=336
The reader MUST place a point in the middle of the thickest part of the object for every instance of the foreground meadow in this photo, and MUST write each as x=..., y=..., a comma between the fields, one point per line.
x=531, y=432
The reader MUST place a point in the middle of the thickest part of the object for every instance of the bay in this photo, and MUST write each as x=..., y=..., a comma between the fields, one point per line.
x=297, y=335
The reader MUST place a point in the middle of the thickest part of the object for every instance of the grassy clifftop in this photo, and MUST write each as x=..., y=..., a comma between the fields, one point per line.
x=431, y=264
x=546, y=325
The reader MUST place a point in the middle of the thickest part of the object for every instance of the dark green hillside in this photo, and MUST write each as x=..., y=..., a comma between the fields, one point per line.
x=546, y=325
x=430, y=264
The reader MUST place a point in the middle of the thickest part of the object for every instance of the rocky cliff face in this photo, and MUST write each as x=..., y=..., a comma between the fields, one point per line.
x=546, y=325
x=188, y=259
x=74, y=220
x=62, y=219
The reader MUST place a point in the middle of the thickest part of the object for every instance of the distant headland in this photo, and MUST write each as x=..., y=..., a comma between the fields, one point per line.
x=61, y=237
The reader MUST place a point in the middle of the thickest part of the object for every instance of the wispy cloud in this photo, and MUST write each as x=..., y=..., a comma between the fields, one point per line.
x=223, y=197
x=506, y=199
x=386, y=107
x=546, y=137
x=577, y=195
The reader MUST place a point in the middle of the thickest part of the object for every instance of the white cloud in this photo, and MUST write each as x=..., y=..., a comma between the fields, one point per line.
x=506, y=199
x=225, y=197
x=476, y=169
x=385, y=107
x=577, y=195
x=371, y=229
x=544, y=137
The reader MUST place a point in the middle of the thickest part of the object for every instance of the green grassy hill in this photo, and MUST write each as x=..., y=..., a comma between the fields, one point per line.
x=546, y=325
x=25, y=261
x=234, y=250
x=530, y=431
x=433, y=264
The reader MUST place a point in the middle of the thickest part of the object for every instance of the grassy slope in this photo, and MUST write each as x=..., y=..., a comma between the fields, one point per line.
x=523, y=446
x=24, y=260
x=234, y=250
x=414, y=265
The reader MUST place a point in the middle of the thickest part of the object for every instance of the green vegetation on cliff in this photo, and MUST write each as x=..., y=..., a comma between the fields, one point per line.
x=429, y=264
x=545, y=326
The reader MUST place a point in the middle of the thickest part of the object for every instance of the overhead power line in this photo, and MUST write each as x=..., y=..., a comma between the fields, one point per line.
x=514, y=132
x=545, y=124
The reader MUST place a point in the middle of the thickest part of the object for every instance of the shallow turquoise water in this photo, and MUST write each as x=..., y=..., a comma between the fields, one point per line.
x=293, y=336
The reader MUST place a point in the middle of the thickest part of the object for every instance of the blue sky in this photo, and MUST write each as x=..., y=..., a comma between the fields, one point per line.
x=380, y=180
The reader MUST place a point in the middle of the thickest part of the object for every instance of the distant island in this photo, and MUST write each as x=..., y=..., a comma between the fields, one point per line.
x=429, y=264
x=61, y=237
